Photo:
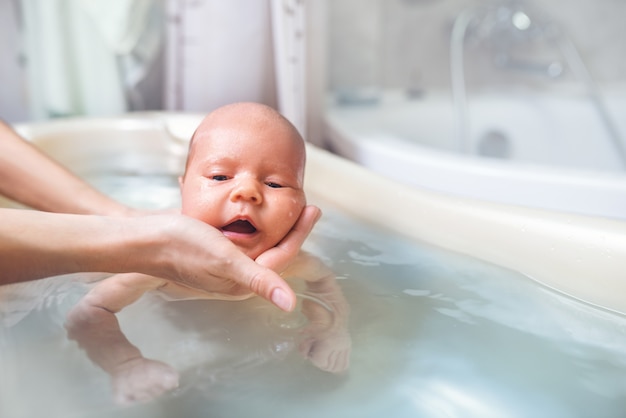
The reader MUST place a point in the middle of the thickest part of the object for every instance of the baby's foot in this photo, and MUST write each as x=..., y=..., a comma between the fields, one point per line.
x=141, y=380
x=329, y=352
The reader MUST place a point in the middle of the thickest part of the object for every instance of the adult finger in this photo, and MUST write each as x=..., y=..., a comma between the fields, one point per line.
x=200, y=256
x=265, y=283
x=278, y=257
x=301, y=230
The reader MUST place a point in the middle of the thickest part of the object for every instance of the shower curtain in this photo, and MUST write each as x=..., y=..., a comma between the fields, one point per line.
x=86, y=57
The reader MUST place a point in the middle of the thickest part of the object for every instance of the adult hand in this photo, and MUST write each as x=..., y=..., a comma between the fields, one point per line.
x=231, y=272
x=200, y=256
x=279, y=257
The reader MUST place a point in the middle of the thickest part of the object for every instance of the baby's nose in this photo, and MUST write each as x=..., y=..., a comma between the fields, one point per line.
x=247, y=190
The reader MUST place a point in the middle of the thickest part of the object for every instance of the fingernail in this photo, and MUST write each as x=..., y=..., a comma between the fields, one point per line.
x=318, y=215
x=281, y=299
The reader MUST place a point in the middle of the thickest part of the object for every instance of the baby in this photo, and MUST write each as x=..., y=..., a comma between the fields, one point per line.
x=244, y=175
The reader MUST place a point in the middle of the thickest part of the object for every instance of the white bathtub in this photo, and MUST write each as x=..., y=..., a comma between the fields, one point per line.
x=442, y=310
x=534, y=151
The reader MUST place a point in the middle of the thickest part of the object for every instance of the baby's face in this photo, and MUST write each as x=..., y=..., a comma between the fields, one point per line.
x=247, y=181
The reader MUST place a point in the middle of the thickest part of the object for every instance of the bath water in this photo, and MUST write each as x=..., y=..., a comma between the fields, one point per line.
x=433, y=334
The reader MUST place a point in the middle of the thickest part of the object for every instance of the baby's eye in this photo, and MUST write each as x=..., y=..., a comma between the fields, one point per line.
x=219, y=177
x=273, y=185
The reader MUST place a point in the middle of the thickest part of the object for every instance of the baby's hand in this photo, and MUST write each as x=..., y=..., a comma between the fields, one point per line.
x=141, y=380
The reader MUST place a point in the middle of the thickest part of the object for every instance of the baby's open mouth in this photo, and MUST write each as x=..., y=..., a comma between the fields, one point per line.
x=240, y=227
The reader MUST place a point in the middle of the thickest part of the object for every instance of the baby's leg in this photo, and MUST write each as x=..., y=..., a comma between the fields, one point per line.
x=93, y=324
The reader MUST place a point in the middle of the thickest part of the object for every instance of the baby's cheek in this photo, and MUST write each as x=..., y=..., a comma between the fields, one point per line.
x=295, y=209
x=189, y=206
x=199, y=209
x=197, y=198
x=300, y=207
x=188, y=202
x=290, y=219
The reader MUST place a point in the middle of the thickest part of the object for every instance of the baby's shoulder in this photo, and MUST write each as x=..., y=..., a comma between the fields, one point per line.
x=307, y=266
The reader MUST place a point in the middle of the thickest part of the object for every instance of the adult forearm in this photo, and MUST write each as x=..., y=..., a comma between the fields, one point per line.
x=37, y=244
x=32, y=178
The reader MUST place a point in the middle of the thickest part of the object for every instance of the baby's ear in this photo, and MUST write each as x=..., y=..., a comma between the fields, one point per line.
x=181, y=180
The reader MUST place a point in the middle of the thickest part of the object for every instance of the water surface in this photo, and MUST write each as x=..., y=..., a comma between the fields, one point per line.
x=433, y=334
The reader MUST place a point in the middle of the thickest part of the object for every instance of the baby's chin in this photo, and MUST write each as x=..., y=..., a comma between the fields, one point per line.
x=253, y=253
x=257, y=250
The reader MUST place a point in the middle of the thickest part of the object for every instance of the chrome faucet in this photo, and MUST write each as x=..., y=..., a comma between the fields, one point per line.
x=509, y=28
x=515, y=36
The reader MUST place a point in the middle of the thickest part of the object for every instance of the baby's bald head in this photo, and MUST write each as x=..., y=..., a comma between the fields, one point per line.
x=248, y=115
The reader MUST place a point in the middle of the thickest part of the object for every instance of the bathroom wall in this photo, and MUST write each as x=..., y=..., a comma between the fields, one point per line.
x=405, y=43
x=213, y=52
x=218, y=52
x=13, y=88
x=224, y=53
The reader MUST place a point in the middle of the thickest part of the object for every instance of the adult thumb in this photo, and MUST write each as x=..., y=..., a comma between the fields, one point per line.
x=269, y=285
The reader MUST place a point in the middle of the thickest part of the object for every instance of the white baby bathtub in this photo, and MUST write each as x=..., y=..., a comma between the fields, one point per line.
x=445, y=360
x=530, y=150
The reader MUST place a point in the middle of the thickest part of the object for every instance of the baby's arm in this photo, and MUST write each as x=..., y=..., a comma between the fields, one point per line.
x=93, y=324
x=116, y=292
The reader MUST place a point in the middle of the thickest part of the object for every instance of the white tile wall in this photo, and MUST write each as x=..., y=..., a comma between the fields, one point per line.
x=404, y=43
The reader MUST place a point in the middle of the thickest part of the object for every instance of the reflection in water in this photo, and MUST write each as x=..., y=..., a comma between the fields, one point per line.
x=317, y=329
x=432, y=334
